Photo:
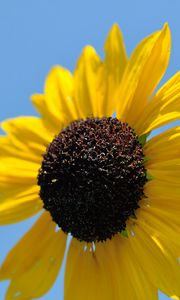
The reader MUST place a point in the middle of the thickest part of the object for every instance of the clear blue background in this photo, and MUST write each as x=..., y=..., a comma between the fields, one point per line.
x=36, y=34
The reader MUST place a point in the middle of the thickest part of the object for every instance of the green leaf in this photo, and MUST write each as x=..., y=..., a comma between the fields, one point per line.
x=145, y=159
x=143, y=138
x=134, y=215
x=124, y=233
x=149, y=177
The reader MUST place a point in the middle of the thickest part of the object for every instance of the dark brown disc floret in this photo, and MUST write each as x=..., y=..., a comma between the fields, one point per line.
x=92, y=178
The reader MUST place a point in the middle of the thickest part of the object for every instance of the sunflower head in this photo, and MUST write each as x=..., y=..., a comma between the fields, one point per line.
x=92, y=178
x=85, y=163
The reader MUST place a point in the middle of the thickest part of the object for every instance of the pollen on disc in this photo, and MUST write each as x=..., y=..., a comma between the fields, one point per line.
x=92, y=178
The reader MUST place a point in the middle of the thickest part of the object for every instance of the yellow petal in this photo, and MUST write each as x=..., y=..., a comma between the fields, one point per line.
x=157, y=188
x=171, y=164
x=21, y=151
x=144, y=71
x=87, y=275
x=85, y=83
x=171, y=215
x=105, y=273
x=163, y=156
x=27, y=134
x=49, y=121
x=8, y=149
x=132, y=281
x=163, y=147
x=33, y=272
x=19, y=259
x=56, y=105
x=158, y=261
x=136, y=284
x=111, y=72
x=19, y=204
x=58, y=94
x=165, y=223
x=17, y=172
x=170, y=175
x=163, y=108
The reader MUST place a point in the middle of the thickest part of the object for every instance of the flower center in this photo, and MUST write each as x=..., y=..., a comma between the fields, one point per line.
x=92, y=178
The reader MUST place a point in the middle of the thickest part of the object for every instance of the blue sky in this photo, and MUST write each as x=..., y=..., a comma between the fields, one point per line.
x=36, y=34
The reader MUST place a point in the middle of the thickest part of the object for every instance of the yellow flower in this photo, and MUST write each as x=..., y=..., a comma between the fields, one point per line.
x=97, y=177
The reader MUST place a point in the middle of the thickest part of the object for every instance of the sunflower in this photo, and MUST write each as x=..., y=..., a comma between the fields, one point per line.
x=91, y=169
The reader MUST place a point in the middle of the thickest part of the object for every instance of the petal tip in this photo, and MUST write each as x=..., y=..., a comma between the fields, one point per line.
x=166, y=30
x=87, y=54
x=88, y=50
x=115, y=27
x=54, y=70
x=115, y=31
